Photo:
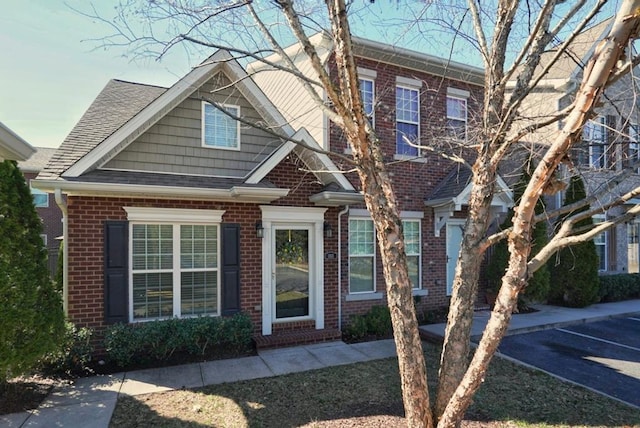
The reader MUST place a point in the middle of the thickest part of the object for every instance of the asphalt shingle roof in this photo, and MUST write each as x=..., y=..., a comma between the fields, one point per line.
x=114, y=106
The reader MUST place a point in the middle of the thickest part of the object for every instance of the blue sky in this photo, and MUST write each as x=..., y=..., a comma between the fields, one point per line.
x=51, y=68
x=49, y=75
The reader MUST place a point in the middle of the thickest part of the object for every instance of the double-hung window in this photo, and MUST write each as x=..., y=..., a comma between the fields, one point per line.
x=367, y=93
x=601, y=244
x=174, y=266
x=220, y=130
x=362, y=256
x=362, y=253
x=634, y=144
x=407, y=120
x=594, y=134
x=457, y=117
x=412, y=240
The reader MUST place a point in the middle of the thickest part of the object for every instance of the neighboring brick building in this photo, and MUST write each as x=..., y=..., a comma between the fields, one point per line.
x=45, y=203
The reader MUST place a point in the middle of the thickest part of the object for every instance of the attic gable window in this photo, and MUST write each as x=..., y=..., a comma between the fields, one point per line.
x=220, y=130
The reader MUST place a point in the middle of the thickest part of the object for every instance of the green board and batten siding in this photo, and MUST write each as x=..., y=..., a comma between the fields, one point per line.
x=174, y=144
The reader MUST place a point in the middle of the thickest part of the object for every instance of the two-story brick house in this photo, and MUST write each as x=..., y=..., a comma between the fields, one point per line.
x=421, y=107
x=174, y=208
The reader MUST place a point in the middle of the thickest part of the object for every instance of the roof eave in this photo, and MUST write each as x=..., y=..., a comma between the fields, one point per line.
x=335, y=199
x=233, y=194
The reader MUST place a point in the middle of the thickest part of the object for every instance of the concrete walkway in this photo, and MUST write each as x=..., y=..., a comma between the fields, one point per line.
x=90, y=401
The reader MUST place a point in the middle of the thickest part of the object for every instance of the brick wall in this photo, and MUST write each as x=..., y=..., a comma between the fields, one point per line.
x=413, y=181
x=87, y=216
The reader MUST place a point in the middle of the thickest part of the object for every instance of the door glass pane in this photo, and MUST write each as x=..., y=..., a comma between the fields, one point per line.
x=292, y=273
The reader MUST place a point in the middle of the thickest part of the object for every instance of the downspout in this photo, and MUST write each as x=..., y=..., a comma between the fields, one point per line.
x=340, y=214
x=65, y=251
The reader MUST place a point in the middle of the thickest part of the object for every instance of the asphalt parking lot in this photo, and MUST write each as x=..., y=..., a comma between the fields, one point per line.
x=601, y=355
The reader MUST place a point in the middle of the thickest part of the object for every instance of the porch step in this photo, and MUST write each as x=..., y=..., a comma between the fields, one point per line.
x=296, y=337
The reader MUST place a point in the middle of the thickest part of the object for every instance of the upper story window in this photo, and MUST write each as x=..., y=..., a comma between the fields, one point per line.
x=594, y=134
x=367, y=93
x=220, y=130
x=634, y=144
x=40, y=198
x=407, y=116
x=457, y=117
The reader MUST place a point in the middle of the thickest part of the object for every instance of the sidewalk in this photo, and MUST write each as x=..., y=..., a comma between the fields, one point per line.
x=90, y=401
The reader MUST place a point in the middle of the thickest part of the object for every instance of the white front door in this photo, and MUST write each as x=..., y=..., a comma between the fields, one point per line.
x=292, y=265
x=454, y=239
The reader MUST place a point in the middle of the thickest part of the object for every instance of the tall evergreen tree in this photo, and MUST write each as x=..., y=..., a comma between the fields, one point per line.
x=31, y=316
x=574, y=270
x=538, y=285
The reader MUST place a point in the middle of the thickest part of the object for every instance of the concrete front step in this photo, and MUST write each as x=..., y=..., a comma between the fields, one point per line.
x=296, y=337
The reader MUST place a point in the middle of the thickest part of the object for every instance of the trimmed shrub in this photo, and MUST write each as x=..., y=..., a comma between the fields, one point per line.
x=376, y=322
x=614, y=288
x=74, y=354
x=574, y=270
x=158, y=341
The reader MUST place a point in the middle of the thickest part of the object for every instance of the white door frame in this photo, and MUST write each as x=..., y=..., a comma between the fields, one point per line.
x=453, y=222
x=293, y=216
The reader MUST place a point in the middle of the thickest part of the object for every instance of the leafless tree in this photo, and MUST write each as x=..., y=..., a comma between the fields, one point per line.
x=493, y=29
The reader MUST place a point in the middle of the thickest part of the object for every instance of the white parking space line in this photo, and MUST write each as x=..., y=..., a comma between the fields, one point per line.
x=634, y=319
x=599, y=339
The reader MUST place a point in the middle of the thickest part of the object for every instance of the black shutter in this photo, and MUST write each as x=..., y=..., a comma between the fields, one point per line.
x=116, y=290
x=230, y=268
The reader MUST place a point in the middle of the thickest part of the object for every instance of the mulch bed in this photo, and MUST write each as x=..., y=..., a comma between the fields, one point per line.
x=24, y=393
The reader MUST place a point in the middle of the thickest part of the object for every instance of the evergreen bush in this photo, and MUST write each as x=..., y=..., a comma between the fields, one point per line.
x=538, y=285
x=31, y=316
x=624, y=286
x=574, y=269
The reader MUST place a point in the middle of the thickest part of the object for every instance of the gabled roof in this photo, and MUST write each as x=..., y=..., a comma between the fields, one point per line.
x=114, y=106
x=453, y=192
x=124, y=110
x=13, y=147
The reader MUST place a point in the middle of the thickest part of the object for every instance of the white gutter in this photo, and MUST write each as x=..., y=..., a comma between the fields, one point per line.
x=340, y=214
x=234, y=194
x=65, y=250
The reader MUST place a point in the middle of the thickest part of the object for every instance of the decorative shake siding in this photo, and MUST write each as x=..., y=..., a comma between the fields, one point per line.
x=174, y=144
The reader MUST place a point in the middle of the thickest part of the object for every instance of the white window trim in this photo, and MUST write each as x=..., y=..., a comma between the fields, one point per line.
x=43, y=236
x=171, y=215
x=203, y=133
x=373, y=256
x=634, y=141
x=363, y=214
x=599, y=121
x=599, y=218
x=411, y=87
x=466, y=113
x=175, y=217
x=419, y=254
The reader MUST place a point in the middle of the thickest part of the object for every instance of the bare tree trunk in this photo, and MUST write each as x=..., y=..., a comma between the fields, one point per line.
x=596, y=75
